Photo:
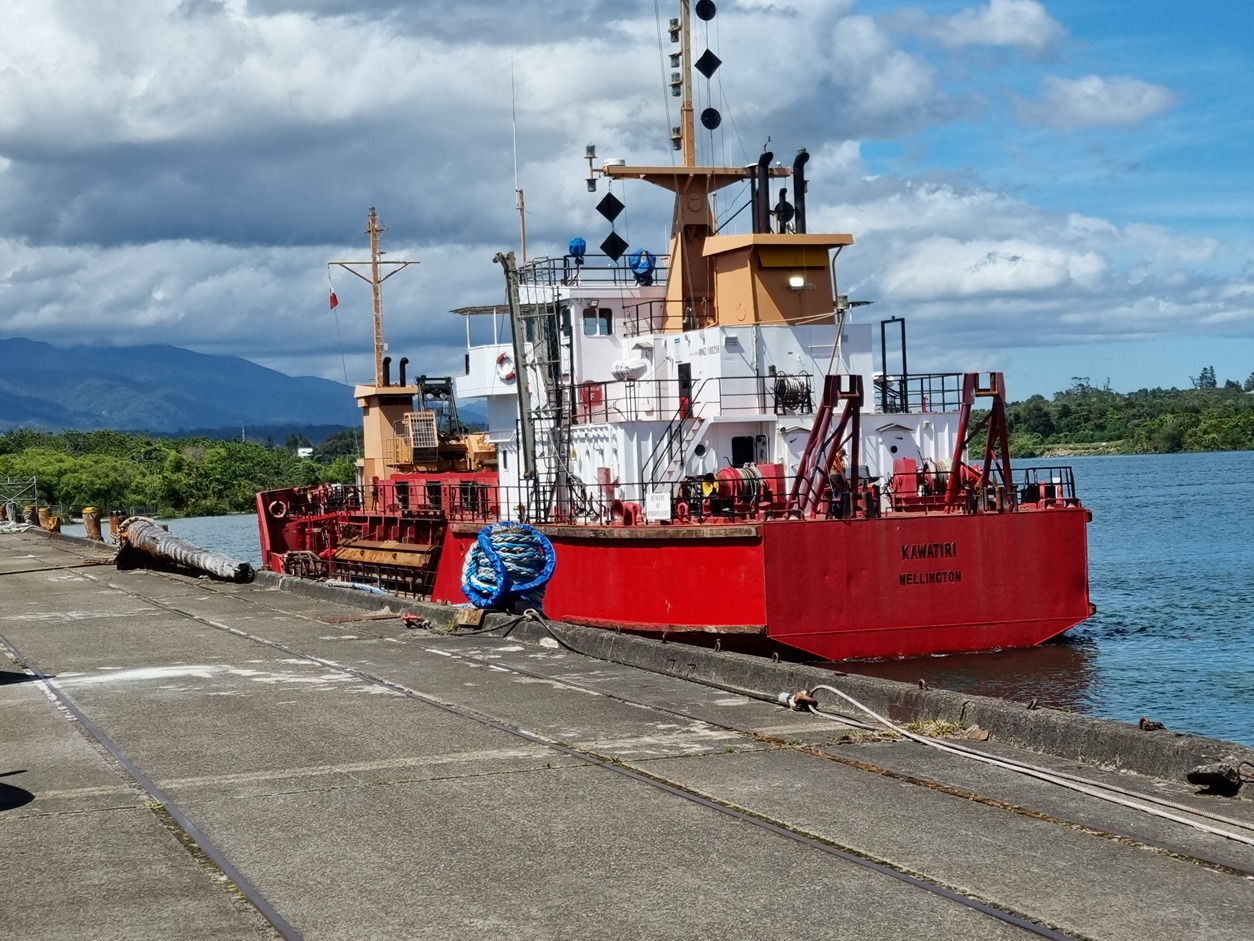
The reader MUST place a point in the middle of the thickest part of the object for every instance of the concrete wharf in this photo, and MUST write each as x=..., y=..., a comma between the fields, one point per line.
x=183, y=758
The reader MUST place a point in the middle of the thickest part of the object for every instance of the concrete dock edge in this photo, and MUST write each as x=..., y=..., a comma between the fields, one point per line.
x=1103, y=742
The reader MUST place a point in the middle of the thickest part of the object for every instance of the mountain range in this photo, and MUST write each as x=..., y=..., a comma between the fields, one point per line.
x=158, y=389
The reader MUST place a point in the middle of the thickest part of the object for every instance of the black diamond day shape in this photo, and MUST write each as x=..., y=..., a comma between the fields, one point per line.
x=610, y=207
x=708, y=64
x=614, y=246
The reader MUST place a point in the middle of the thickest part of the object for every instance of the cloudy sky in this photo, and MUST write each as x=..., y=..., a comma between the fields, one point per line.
x=1056, y=188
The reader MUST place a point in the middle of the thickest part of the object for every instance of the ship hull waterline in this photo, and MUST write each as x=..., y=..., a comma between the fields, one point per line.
x=914, y=585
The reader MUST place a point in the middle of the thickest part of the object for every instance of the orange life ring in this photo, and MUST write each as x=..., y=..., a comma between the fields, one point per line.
x=505, y=367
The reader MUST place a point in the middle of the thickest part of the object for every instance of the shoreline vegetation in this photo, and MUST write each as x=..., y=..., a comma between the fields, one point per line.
x=201, y=476
x=1085, y=420
x=174, y=477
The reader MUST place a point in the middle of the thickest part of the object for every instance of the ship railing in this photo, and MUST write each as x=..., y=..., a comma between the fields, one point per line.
x=572, y=501
x=644, y=318
x=649, y=317
x=923, y=489
x=666, y=399
x=318, y=500
x=1045, y=486
x=731, y=495
x=567, y=270
x=749, y=494
x=918, y=392
x=448, y=497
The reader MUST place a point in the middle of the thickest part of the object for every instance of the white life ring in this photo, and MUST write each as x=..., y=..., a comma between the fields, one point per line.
x=505, y=367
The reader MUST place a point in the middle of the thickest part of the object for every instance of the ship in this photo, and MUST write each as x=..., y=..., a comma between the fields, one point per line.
x=704, y=440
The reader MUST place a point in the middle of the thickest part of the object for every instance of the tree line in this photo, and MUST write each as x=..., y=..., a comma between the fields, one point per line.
x=174, y=477
x=1084, y=417
x=202, y=476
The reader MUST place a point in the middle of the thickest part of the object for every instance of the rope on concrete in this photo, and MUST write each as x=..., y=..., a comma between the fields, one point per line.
x=1092, y=789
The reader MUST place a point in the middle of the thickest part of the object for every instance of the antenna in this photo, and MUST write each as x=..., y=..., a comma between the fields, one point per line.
x=519, y=201
x=375, y=280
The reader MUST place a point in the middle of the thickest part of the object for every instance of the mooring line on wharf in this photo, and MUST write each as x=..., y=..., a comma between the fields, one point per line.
x=761, y=821
x=1124, y=839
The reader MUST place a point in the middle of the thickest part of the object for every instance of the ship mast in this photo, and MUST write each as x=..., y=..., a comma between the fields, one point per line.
x=376, y=262
x=688, y=134
x=689, y=300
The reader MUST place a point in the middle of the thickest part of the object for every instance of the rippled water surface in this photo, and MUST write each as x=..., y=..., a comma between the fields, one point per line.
x=1171, y=569
x=1171, y=565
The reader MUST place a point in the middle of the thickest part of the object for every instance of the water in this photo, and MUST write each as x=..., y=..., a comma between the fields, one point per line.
x=1171, y=564
x=1171, y=569
x=236, y=536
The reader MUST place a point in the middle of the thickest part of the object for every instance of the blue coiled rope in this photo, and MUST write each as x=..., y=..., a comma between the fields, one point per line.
x=508, y=563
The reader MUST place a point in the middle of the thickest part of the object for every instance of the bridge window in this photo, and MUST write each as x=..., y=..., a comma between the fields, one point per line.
x=597, y=322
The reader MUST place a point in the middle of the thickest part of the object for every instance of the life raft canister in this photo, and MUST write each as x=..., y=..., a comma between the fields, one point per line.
x=505, y=367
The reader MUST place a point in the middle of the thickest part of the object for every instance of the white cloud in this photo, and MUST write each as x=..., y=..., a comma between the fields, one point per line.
x=943, y=267
x=888, y=80
x=1094, y=101
x=183, y=177
x=1022, y=24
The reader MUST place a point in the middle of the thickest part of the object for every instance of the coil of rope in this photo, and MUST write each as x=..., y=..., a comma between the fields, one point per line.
x=508, y=564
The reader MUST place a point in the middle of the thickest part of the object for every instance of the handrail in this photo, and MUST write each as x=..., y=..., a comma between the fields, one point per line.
x=641, y=399
x=671, y=439
x=918, y=392
x=731, y=495
x=594, y=268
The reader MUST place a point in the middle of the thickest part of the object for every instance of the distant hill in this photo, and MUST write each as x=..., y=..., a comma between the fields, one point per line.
x=159, y=389
x=168, y=390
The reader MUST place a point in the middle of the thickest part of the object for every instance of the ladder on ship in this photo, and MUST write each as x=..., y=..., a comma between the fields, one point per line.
x=825, y=442
x=665, y=465
x=545, y=406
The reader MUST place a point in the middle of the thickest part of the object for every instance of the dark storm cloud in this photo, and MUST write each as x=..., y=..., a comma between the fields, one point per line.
x=488, y=21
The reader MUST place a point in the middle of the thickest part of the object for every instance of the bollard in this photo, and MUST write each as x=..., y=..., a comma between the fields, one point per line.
x=42, y=516
x=91, y=523
x=115, y=523
x=32, y=515
x=10, y=512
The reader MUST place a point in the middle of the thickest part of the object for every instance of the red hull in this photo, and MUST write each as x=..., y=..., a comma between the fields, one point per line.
x=838, y=589
x=909, y=584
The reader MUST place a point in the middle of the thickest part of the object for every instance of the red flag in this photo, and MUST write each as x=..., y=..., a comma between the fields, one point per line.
x=335, y=301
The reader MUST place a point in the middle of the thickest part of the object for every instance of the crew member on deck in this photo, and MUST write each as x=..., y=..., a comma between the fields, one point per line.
x=838, y=481
x=783, y=212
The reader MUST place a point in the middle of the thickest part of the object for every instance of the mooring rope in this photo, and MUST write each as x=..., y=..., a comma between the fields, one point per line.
x=508, y=563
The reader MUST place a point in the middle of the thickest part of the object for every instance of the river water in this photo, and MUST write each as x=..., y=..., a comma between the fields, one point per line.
x=1171, y=570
